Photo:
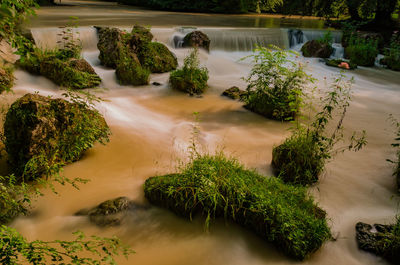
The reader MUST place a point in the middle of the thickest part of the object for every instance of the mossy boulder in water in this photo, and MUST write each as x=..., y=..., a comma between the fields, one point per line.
x=215, y=186
x=157, y=58
x=111, y=46
x=234, y=93
x=315, y=48
x=130, y=72
x=381, y=240
x=6, y=79
x=197, y=39
x=111, y=212
x=42, y=134
x=143, y=32
x=296, y=161
x=72, y=74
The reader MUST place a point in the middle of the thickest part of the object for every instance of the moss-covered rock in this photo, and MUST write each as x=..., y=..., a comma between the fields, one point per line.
x=234, y=93
x=111, y=46
x=315, y=48
x=143, y=32
x=215, y=186
x=297, y=160
x=81, y=65
x=382, y=240
x=69, y=74
x=43, y=134
x=342, y=64
x=130, y=72
x=157, y=58
x=111, y=212
x=197, y=39
x=6, y=79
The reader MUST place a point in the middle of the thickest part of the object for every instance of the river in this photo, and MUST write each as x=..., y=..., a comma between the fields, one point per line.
x=151, y=130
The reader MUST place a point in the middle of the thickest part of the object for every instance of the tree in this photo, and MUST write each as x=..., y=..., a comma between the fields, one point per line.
x=384, y=10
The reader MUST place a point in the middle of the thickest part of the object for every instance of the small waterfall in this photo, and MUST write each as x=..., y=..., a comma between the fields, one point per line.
x=51, y=38
x=300, y=36
x=235, y=39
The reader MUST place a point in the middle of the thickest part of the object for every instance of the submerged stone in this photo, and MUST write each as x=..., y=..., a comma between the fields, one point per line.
x=315, y=48
x=234, y=93
x=42, y=134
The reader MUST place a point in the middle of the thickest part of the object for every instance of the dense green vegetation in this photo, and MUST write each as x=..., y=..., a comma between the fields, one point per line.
x=275, y=84
x=301, y=158
x=191, y=78
x=396, y=145
x=215, y=186
x=362, y=51
x=6, y=78
x=392, y=54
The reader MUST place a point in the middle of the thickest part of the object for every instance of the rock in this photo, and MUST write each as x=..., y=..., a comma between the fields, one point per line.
x=143, y=32
x=6, y=79
x=197, y=39
x=111, y=212
x=131, y=73
x=380, y=240
x=42, y=134
x=234, y=93
x=157, y=58
x=81, y=65
x=341, y=64
x=111, y=46
x=156, y=84
x=315, y=48
x=71, y=76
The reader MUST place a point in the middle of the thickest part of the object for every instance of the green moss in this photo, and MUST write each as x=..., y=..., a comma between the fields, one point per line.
x=143, y=32
x=297, y=160
x=6, y=79
x=64, y=75
x=337, y=62
x=215, y=186
x=43, y=134
x=157, y=58
x=131, y=73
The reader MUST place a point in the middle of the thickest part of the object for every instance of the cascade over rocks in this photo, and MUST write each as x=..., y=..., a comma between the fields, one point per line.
x=111, y=212
x=197, y=39
x=133, y=54
x=42, y=134
x=315, y=48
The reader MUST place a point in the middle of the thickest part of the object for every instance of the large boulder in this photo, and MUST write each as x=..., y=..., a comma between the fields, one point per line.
x=130, y=72
x=111, y=46
x=315, y=48
x=197, y=39
x=6, y=79
x=157, y=58
x=111, y=212
x=382, y=240
x=81, y=65
x=42, y=134
x=143, y=32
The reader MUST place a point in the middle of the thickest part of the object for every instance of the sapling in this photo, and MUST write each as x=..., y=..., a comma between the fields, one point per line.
x=302, y=156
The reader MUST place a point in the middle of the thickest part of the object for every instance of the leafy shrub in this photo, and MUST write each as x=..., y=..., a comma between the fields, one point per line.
x=6, y=78
x=392, y=55
x=216, y=186
x=301, y=158
x=362, y=51
x=275, y=84
x=191, y=78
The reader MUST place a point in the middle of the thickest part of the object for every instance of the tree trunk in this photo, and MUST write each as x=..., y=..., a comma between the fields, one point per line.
x=384, y=10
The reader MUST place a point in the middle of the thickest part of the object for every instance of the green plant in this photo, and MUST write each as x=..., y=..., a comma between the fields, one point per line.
x=217, y=186
x=6, y=78
x=326, y=38
x=392, y=55
x=362, y=51
x=301, y=158
x=71, y=46
x=191, y=78
x=275, y=84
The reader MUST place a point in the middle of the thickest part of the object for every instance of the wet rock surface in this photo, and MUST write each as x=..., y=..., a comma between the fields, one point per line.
x=197, y=39
x=234, y=93
x=316, y=48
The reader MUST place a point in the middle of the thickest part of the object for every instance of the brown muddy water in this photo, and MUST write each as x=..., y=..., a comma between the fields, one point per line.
x=152, y=127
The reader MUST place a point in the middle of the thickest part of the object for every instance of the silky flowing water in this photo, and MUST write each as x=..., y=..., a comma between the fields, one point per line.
x=151, y=131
